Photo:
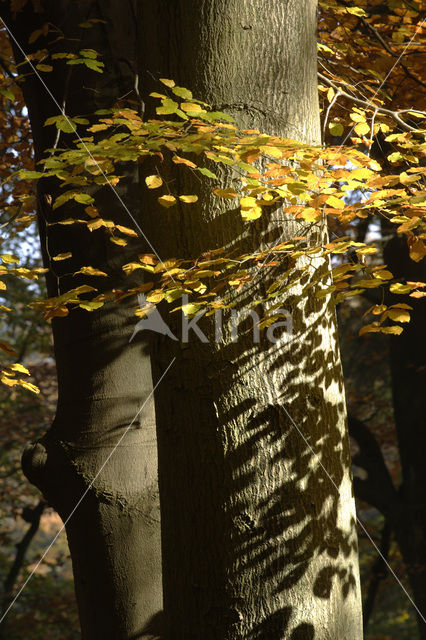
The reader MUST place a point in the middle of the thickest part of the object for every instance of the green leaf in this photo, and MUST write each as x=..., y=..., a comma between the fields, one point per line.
x=92, y=305
x=88, y=53
x=186, y=94
x=44, y=67
x=357, y=11
x=7, y=93
x=207, y=173
x=83, y=198
x=30, y=175
x=95, y=65
x=336, y=129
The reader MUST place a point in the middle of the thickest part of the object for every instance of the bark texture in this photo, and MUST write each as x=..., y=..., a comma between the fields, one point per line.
x=258, y=540
x=103, y=380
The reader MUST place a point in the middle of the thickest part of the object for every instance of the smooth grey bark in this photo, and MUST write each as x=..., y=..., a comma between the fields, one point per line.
x=258, y=533
x=103, y=380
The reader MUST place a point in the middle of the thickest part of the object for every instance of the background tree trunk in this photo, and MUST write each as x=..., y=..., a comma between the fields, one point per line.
x=408, y=370
x=258, y=543
x=103, y=380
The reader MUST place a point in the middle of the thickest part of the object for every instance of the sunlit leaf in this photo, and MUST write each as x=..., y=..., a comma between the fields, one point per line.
x=188, y=199
x=91, y=271
x=62, y=256
x=167, y=201
x=336, y=129
x=168, y=83
x=153, y=182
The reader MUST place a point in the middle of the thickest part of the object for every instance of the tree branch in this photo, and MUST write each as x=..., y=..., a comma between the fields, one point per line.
x=368, y=105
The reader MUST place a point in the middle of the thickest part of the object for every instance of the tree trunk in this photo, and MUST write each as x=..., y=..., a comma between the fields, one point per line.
x=258, y=532
x=104, y=381
x=408, y=370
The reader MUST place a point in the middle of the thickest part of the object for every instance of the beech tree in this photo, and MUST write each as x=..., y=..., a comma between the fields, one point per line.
x=104, y=380
x=258, y=524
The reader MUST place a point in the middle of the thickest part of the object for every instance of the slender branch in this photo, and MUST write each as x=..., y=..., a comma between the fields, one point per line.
x=364, y=103
x=390, y=51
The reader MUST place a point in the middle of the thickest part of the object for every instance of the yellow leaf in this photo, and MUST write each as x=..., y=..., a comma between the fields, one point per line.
x=29, y=386
x=336, y=129
x=188, y=199
x=398, y=315
x=153, y=182
x=179, y=160
x=91, y=305
x=395, y=330
x=62, y=256
x=330, y=94
x=126, y=230
x=378, y=309
x=400, y=288
x=357, y=117
x=383, y=275
x=248, y=202
x=167, y=201
x=168, y=83
x=369, y=328
x=323, y=47
x=272, y=151
x=362, y=128
x=95, y=224
x=190, y=309
x=402, y=305
x=310, y=215
x=91, y=271
x=366, y=251
x=2, y=285
x=91, y=211
x=44, y=67
x=359, y=174
x=395, y=157
x=189, y=107
x=155, y=296
x=251, y=214
x=225, y=193
x=132, y=266
x=58, y=312
x=357, y=11
x=19, y=367
x=120, y=241
x=148, y=258
x=9, y=258
x=417, y=248
x=336, y=203
x=404, y=178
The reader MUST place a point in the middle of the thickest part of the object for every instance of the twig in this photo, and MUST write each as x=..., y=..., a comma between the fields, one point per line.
x=393, y=114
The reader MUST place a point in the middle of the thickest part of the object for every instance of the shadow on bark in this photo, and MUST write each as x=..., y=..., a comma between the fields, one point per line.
x=238, y=423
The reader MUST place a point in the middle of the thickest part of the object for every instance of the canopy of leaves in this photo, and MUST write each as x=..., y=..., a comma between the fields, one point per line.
x=367, y=52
